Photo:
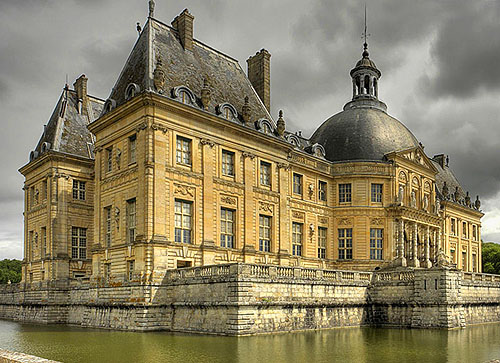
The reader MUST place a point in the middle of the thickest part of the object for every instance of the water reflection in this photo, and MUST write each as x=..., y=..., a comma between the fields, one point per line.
x=364, y=345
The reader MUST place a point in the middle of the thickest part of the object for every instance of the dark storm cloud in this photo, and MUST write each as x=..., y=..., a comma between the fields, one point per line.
x=467, y=51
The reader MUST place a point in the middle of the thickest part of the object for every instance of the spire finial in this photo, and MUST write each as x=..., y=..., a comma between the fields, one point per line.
x=365, y=35
x=151, y=8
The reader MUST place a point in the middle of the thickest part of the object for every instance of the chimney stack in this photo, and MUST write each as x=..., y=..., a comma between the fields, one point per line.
x=80, y=86
x=184, y=25
x=259, y=74
x=440, y=159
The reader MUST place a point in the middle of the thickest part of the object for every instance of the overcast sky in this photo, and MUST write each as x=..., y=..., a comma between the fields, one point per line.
x=440, y=63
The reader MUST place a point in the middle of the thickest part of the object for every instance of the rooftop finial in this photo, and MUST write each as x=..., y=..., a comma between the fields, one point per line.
x=365, y=35
x=151, y=8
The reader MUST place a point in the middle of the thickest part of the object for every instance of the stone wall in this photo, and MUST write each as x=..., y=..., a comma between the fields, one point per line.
x=14, y=357
x=242, y=299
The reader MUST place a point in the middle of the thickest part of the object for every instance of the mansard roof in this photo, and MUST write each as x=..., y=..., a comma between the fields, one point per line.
x=159, y=48
x=66, y=130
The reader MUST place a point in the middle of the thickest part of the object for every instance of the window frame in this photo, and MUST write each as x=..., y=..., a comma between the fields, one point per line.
x=345, y=243
x=297, y=183
x=131, y=220
x=181, y=154
x=377, y=195
x=185, y=233
x=132, y=149
x=345, y=193
x=322, y=241
x=376, y=244
x=78, y=243
x=322, y=191
x=265, y=239
x=109, y=159
x=227, y=238
x=265, y=177
x=79, y=190
x=297, y=238
x=107, y=226
x=228, y=167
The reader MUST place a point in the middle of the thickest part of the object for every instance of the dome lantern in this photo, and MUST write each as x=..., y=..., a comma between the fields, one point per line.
x=365, y=76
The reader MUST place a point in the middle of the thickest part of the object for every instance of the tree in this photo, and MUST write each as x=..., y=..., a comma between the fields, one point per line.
x=10, y=270
x=491, y=258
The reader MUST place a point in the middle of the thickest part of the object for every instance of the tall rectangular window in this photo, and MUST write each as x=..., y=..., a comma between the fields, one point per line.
x=474, y=232
x=377, y=193
x=297, y=183
x=474, y=261
x=376, y=243
x=79, y=243
x=132, y=146
x=107, y=216
x=130, y=270
x=322, y=189
x=453, y=226
x=464, y=261
x=183, y=151
x=131, y=220
x=264, y=233
x=78, y=190
x=44, y=189
x=453, y=255
x=297, y=239
x=30, y=245
x=227, y=227
x=44, y=241
x=345, y=243
x=109, y=159
x=344, y=193
x=322, y=233
x=465, y=231
x=227, y=163
x=183, y=221
x=265, y=173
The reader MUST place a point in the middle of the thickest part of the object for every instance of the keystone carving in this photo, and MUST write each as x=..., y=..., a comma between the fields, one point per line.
x=266, y=207
x=247, y=154
x=228, y=200
x=207, y=142
x=158, y=127
x=184, y=190
x=345, y=221
x=297, y=215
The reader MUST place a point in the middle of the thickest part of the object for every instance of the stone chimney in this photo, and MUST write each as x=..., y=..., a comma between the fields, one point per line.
x=440, y=159
x=80, y=86
x=259, y=74
x=183, y=23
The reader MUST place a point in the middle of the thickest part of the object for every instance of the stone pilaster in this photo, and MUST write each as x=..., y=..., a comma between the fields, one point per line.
x=427, y=261
x=414, y=262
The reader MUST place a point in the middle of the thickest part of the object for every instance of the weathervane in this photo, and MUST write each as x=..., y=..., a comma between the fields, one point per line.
x=365, y=33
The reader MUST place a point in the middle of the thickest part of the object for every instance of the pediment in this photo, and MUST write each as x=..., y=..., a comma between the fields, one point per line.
x=414, y=155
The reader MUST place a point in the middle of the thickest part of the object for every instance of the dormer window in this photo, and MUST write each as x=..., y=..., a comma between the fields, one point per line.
x=264, y=126
x=131, y=91
x=184, y=95
x=227, y=111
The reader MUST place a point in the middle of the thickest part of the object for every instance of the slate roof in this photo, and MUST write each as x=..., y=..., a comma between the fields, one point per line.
x=227, y=80
x=362, y=133
x=67, y=130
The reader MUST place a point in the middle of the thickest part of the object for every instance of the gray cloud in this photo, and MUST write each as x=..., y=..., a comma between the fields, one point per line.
x=467, y=50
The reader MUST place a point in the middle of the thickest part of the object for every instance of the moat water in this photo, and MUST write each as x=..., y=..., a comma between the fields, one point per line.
x=479, y=343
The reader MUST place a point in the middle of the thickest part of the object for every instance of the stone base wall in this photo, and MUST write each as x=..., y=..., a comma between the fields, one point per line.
x=244, y=299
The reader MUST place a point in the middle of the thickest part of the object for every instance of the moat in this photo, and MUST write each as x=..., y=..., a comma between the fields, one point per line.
x=479, y=343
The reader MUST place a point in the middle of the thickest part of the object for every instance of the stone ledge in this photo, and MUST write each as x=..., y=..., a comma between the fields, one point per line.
x=7, y=356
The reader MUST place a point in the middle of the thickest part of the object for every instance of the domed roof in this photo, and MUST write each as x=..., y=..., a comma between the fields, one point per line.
x=366, y=62
x=362, y=133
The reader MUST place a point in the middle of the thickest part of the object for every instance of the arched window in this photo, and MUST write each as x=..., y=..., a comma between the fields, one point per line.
x=358, y=86
x=184, y=95
x=367, y=85
x=131, y=91
x=227, y=111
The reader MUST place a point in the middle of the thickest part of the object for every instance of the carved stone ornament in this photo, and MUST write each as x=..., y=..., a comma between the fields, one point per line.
x=207, y=142
x=467, y=200
x=445, y=191
x=283, y=166
x=477, y=203
x=228, y=200
x=141, y=126
x=311, y=190
x=158, y=127
x=426, y=202
x=323, y=220
x=401, y=194
x=280, y=125
x=377, y=221
x=297, y=215
x=345, y=221
x=117, y=217
x=247, y=154
x=266, y=207
x=438, y=205
x=159, y=76
x=444, y=261
x=413, y=199
x=184, y=190
x=118, y=157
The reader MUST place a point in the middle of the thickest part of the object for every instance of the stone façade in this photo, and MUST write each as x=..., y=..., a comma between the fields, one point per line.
x=247, y=299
